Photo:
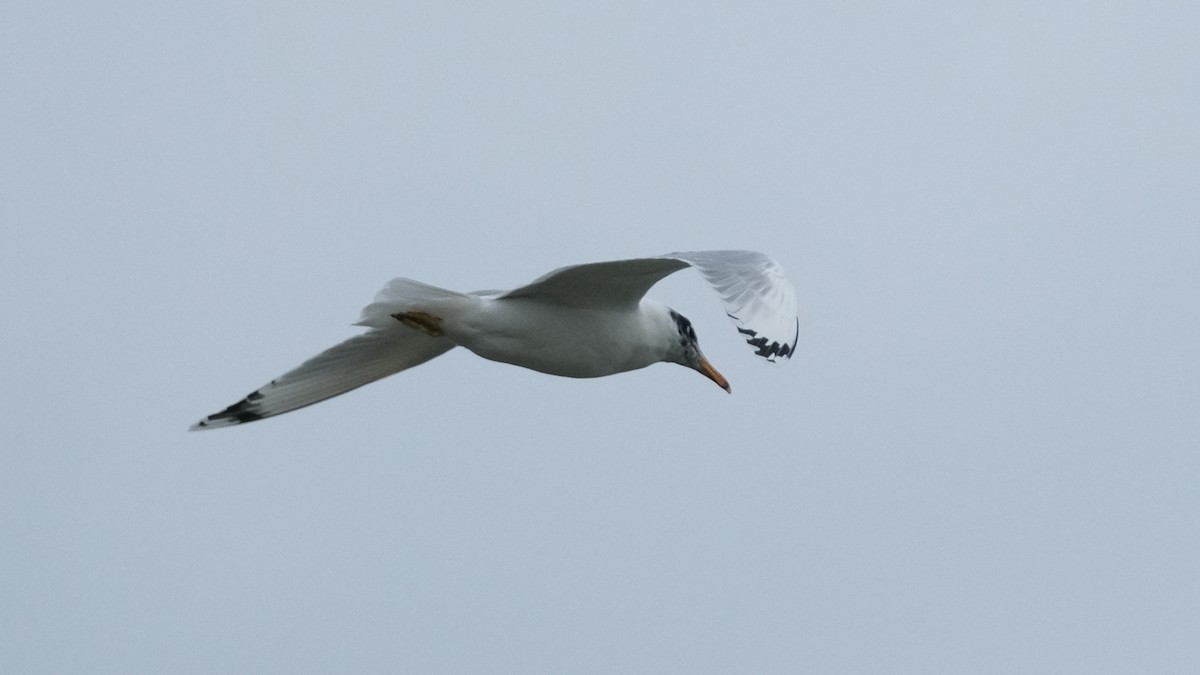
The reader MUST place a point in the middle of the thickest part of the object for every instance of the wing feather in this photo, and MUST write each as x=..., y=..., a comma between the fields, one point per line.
x=757, y=295
x=349, y=365
x=619, y=284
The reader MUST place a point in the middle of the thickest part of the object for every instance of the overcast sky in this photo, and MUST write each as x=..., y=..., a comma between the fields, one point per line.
x=984, y=457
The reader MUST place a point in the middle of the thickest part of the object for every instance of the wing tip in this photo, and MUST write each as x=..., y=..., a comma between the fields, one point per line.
x=216, y=422
x=238, y=413
x=773, y=351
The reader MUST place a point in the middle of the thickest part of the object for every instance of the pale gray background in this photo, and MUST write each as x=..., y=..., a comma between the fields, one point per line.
x=984, y=457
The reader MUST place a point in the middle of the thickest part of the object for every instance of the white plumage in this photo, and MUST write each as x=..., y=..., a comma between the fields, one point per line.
x=585, y=320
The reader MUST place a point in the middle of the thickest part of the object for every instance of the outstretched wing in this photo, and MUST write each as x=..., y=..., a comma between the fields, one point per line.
x=616, y=284
x=349, y=365
x=757, y=295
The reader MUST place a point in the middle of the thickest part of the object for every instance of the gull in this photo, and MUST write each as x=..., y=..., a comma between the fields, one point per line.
x=586, y=320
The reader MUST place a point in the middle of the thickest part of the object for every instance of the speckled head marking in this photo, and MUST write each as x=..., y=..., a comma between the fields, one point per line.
x=687, y=335
x=689, y=354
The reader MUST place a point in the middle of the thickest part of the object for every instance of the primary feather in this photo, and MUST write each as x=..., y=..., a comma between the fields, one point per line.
x=349, y=365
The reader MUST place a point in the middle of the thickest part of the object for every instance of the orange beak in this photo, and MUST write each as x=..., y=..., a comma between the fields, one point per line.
x=711, y=373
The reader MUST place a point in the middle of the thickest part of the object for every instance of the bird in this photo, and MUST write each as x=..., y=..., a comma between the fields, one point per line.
x=580, y=321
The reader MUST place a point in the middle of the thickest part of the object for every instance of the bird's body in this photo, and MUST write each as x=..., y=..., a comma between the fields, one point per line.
x=568, y=341
x=581, y=321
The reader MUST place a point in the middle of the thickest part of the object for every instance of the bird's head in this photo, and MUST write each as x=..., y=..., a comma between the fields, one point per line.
x=685, y=350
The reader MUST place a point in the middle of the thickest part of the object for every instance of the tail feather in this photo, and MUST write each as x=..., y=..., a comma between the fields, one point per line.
x=403, y=295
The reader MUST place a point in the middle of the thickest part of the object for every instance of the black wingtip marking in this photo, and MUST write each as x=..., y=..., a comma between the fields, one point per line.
x=773, y=350
x=238, y=413
x=247, y=417
x=770, y=351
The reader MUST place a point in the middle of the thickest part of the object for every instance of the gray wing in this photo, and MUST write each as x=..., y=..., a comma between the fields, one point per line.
x=349, y=365
x=617, y=284
x=757, y=295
